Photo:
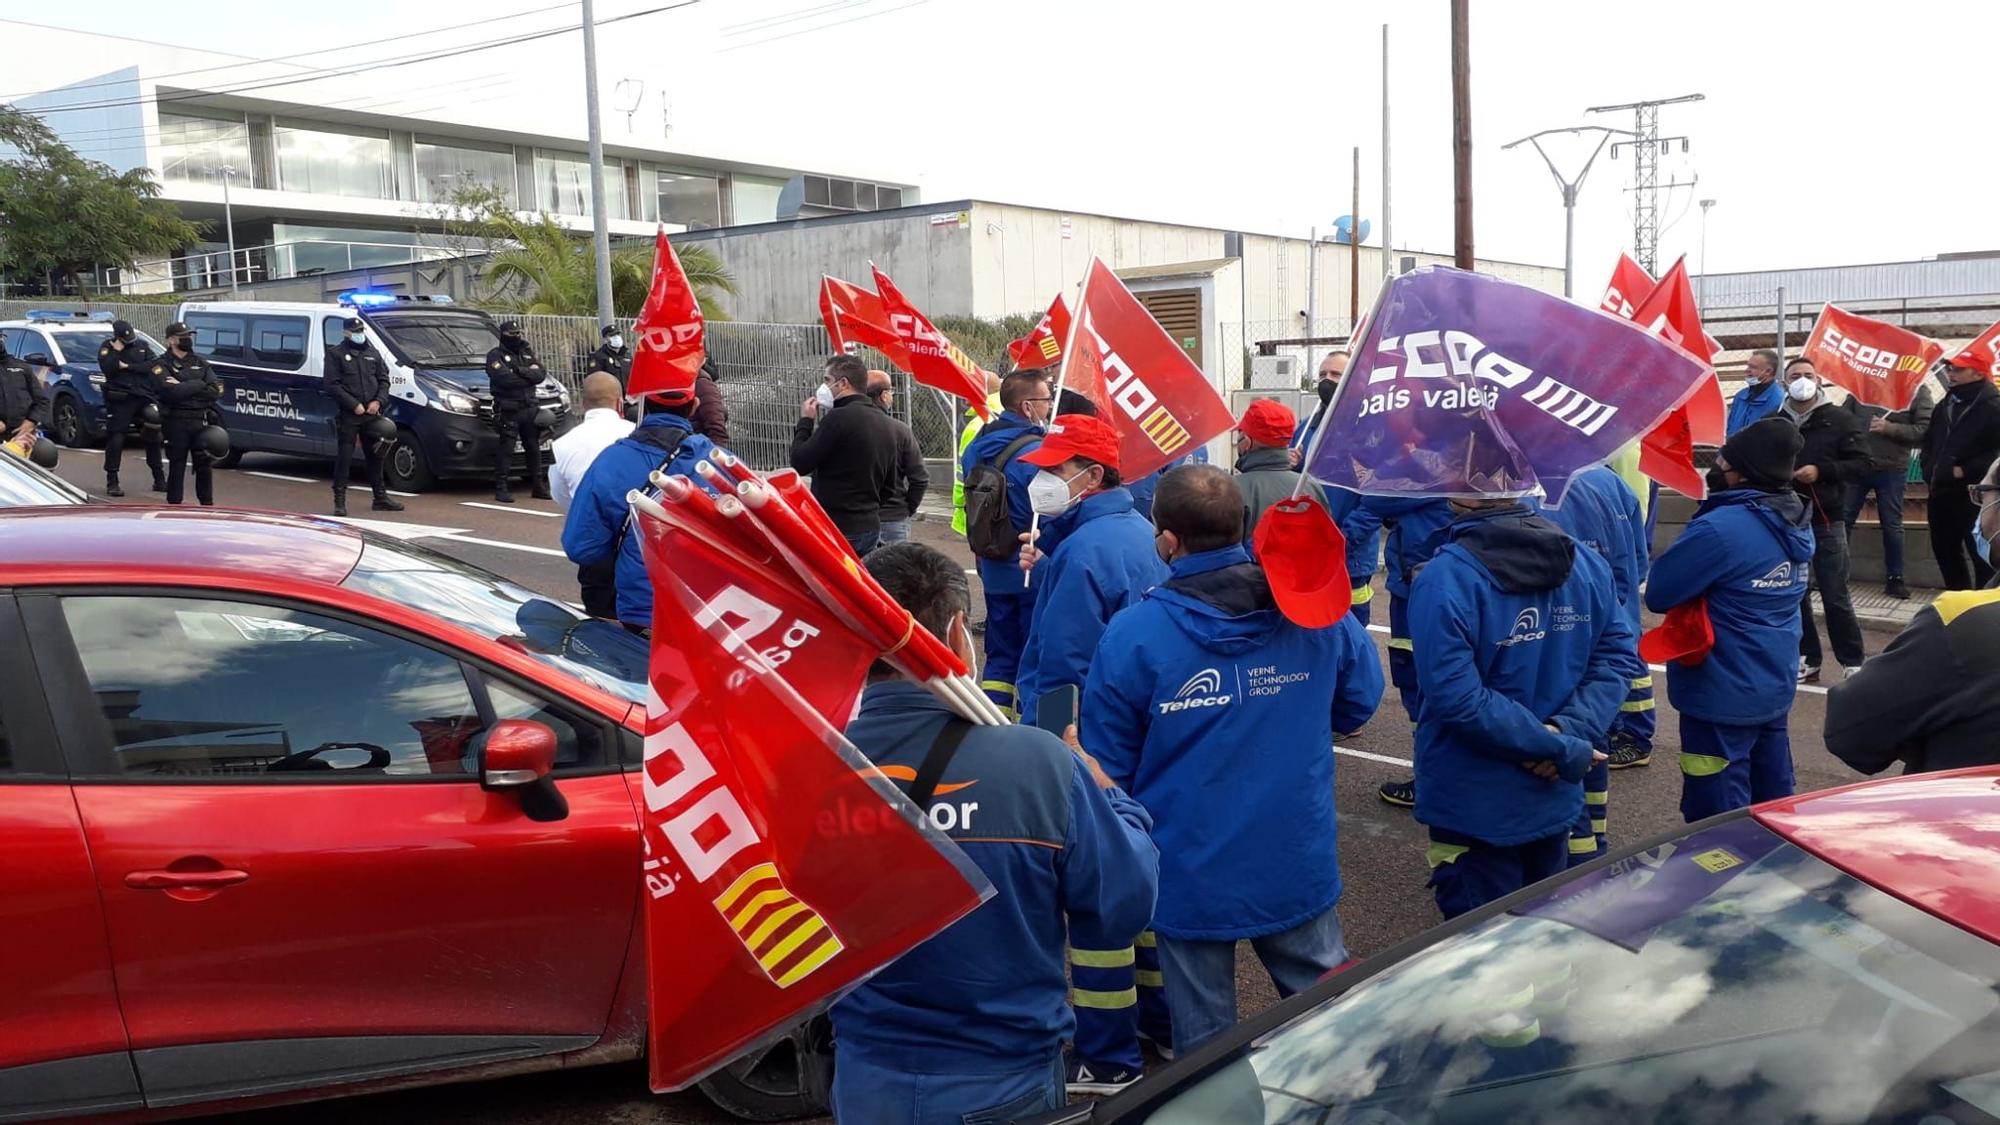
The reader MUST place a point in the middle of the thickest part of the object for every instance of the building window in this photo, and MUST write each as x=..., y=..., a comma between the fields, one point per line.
x=195, y=150
x=562, y=185
x=325, y=162
x=442, y=169
x=753, y=199
x=693, y=201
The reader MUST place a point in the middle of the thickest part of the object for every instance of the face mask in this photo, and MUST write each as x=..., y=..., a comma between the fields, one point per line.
x=616, y=342
x=824, y=396
x=1716, y=481
x=1805, y=388
x=357, y=337
x=184, y=343
x=514, y=343
x=1326, y=388
x=1981, y=545
x=1048, y=494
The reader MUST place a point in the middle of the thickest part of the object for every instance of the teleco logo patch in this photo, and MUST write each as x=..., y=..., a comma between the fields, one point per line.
x=1203, y=689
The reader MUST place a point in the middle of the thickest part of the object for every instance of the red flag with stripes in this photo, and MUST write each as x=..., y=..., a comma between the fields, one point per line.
x=670, y=330
x=1143, y=383
x=1875, y=361
x=779, y=866
x=853, y=315
x=1042, y=346
x=929, y=357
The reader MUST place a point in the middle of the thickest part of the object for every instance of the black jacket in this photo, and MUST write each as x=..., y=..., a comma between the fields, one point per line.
x=186, y=384
x=912, y=480
x=711, y=415
x=852, y=456
x=1889, y=451
x=355, y=376
x=618, y=361
x=1965, y=434
x=128, y=372
x=513, y=376
x=1838, y=448
x=22, y=396
x=1932, y=699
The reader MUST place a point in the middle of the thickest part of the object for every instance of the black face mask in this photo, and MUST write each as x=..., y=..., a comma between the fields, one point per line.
x=513, y=343
x=1717, y=482
x=1326, y=389
x=184, y=343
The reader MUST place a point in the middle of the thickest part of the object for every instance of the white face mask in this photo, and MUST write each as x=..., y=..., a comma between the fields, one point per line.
x=1048, y=494
x=1805, y=388
x=357, y=337
x=616, y=342
x=824, y=396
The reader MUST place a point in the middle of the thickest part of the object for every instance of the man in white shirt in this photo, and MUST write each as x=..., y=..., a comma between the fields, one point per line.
x=602, y=425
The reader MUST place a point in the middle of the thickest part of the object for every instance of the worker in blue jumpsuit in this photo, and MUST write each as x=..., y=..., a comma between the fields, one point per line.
x=1522, y=656
x=1025, y=400
x=1103, y=561
x=1746, y=553
x=1600, y=511
x=969, y=1025
x=1413, y=531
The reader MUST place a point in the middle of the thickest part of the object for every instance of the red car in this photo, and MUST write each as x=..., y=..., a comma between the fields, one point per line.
x=293, y=811
x=1826, y=959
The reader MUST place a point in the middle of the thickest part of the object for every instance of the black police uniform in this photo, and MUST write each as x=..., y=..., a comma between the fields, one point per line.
x=128, y=389
x=617, y=361
x=22, y=396
x=355, y=375
x=188, y=390
x=514, y=373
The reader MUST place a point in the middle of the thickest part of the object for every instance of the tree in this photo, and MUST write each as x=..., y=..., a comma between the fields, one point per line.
x=61, y=215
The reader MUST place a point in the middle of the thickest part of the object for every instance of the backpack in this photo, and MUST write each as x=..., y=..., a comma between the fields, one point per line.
x=989, y=530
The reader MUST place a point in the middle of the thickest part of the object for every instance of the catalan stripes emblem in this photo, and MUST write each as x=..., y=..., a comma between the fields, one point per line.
x=788, y=938
x=1051, y=347
x=1164, y=430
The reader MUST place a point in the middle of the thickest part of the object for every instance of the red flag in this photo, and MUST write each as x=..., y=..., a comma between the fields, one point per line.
x=670, y=328
x=1630, y=285
x=1983, y=352
x=1880, y=364
x=932, y=359
x=854, y=315
x=1666, y=454
x=1042, y=346
x=1120, y=358
x=779, y=866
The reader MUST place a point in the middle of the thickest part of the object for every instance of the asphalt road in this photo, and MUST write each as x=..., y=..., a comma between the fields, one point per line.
x=1381, y=848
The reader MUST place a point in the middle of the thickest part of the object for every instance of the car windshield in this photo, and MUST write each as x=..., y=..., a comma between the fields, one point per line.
x=438, y=339
x=600, y=653
x=1728, y=976
x=80, y=346
x=23, y=485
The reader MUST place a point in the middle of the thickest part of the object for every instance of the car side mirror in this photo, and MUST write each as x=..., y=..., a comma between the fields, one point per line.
x=518, y=756
x=38, y=359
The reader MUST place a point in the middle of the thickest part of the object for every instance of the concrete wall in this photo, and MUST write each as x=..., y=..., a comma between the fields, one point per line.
x=1866, y=568
x=1023, y=256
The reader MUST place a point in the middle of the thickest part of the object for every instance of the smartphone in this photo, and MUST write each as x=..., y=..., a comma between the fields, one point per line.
x=1056, y=710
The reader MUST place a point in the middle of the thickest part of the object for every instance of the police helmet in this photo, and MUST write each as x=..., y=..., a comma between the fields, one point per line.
x=213, y=441
x=44, y=452
x=149, y=416
x=378, y=428
x=545, y=419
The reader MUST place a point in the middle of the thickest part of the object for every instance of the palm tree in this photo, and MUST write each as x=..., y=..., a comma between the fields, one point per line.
x=555, y=272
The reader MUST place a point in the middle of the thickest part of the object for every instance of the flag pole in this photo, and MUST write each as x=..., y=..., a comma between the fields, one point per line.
x=1355, y=332
x=1055, y=395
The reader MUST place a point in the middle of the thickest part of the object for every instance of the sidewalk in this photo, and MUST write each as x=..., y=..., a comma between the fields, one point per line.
x=1877, y=610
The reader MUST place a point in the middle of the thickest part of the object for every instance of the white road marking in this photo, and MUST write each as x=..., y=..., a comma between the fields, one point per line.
x=393, y=492
x=278, y=476
x=1372, y=757
x=519, y=511
x=505, y=546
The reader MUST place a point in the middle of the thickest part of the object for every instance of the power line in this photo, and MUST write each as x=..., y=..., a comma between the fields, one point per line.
x=823, y=26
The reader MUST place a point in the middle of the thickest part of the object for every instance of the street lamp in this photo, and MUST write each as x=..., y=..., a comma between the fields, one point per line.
x=1570, y=188
x=229, y=222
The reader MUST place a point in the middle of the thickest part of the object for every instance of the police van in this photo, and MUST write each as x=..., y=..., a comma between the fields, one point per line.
x=271, y=357
x=68, y=340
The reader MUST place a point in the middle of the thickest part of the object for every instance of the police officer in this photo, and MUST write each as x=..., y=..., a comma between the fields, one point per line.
x=513, y=372
x=188, y=390
x=24, y=402
x=358, y=380
x=614, y=355
x=126, y=361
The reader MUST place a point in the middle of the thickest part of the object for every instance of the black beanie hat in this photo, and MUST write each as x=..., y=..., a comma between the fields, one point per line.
x=1765, y=452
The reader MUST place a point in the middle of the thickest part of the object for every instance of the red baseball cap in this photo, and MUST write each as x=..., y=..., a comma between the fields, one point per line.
x=1969, y=361
x=1267, y=421
x=1076, y=435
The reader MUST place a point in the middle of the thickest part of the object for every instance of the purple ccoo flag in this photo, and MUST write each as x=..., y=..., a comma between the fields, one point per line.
x=1466, y=385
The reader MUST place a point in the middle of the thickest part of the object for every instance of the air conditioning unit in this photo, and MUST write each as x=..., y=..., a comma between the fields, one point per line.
x=1274, y=372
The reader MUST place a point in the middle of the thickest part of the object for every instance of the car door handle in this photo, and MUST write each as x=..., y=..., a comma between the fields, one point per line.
x=163, y=880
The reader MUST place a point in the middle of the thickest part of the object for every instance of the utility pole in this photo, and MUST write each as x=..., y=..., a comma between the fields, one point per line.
x=1705, y=205
x=229, y=223
x=1570, y=188
x=1461, y=131
x=1646, y=149
x=1354, y=250
x=1388, y=244
x=600, y=219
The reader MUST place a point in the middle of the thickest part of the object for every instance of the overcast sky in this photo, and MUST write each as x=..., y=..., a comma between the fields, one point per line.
x=1832, y=131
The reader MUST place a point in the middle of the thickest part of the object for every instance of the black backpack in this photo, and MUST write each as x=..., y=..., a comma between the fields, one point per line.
x=989, y=530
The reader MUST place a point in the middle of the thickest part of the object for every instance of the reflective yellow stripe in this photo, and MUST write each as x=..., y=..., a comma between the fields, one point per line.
x=1363, y=595
x=997, y=685
x=1402, y=643
x=1102, y=958
x=1632, y=705
x=1596, y=797
x=1148, y=939
x=1702, y=765
x=1150, y=978
x=1642, y=682
x=1598, y=826
x=1949, y=605
x=1108, y=1001
x=1582, y=845
x=1440, y=854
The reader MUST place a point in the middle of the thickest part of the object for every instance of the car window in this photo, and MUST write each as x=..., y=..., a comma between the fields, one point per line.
x=1727, y=976
x=438, y=339
x=34, y=342
x=16, y=341
x=331, y=330
x=197, y=688
x=218, y=336
x=279, y=341
x=24, y=485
